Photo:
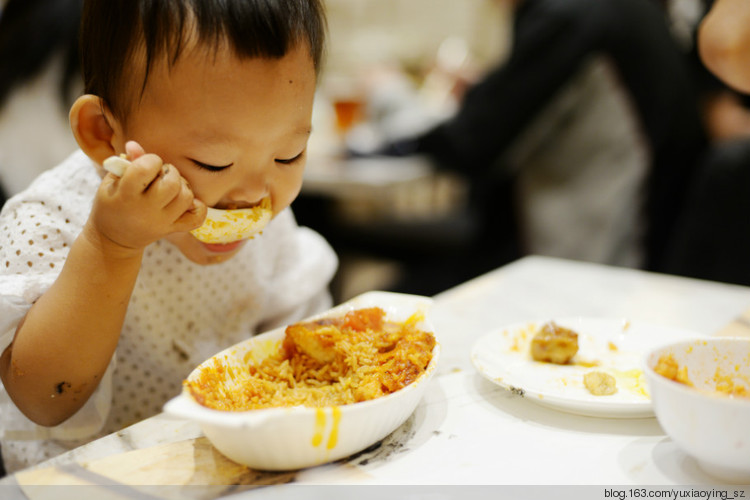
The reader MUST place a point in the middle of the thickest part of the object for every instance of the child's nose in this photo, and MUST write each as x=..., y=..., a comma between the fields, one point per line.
x=251, y=188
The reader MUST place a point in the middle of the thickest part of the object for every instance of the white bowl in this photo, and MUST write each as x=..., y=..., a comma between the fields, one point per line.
x=712, y=428
x=297, y=437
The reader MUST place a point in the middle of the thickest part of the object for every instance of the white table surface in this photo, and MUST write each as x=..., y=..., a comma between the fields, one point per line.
x=468, y=431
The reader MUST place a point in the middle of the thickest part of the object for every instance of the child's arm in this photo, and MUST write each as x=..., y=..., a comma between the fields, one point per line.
x=64, y=344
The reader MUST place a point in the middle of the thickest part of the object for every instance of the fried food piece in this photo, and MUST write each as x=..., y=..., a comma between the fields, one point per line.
x=317, y=343
x=554, y=344
x=600, y=383
x=322, y=340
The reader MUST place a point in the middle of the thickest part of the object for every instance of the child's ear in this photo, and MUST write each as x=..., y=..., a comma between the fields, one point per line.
x=91, y=129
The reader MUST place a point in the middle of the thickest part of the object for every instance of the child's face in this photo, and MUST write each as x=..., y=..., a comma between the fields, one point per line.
x=236, y=129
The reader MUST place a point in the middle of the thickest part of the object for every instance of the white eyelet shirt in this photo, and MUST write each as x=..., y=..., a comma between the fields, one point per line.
x=180, y=313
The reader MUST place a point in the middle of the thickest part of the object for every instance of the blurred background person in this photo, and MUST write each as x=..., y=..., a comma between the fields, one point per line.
x=397, y=224
x=39, y=78
x=724, y=42
x=713, y=240
x=588, y=134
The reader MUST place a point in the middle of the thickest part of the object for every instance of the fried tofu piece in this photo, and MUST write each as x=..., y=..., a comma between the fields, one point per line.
x=554, y=344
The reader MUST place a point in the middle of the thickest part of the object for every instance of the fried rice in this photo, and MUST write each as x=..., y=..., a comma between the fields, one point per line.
x=329, y=362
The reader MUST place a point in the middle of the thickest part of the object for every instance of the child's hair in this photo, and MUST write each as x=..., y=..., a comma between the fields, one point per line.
x=114, y=31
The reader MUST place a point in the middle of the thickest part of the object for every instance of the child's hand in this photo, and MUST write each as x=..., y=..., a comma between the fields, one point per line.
x=149, y=201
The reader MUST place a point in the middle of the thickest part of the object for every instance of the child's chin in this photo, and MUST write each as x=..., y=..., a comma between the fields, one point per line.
x=204, y=253
x=223, y=248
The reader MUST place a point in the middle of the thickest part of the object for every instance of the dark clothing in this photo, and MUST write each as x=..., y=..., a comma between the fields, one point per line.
x=552, y=39
x=713, y=239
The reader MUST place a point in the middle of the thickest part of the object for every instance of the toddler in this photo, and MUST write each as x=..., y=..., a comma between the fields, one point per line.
x=107, y=301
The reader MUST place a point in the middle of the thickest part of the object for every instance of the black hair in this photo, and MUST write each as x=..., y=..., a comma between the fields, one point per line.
x=113, y=31
x=31, y=32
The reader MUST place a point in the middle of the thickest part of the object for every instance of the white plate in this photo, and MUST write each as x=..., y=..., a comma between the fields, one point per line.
x=615, y=346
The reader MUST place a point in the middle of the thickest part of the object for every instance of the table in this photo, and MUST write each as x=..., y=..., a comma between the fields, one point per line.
x=380, y=187
x=466, y=430
x=351, y=177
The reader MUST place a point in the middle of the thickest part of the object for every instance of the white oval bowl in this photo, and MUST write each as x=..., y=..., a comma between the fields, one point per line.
x=713, y=429
x=297, y=437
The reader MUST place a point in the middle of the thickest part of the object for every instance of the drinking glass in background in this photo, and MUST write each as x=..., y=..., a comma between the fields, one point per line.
x=348, y=101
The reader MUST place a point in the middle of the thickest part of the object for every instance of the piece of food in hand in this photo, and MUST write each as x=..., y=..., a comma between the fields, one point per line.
x=227, y=226
x=220, y=226
x=600, y=383
x=554, y=344
x=116, y=164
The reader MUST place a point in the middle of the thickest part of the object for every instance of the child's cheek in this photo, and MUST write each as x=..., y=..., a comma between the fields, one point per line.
x=284, y=197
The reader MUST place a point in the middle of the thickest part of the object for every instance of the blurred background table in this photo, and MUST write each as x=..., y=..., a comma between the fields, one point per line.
x=466, y=431
x=392, y=221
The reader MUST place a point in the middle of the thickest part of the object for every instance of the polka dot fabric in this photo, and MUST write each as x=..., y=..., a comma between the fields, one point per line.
x=179, y=314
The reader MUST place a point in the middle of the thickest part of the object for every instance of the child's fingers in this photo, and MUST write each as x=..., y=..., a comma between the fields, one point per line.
x=118, y=164
x=177, y=197
x=193, y=217
x=167, y=186
x=142, y=173
x=134, y=150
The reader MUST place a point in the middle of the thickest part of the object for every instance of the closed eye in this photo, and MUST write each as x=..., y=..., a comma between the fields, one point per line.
x=289, y=161
x=211, y=168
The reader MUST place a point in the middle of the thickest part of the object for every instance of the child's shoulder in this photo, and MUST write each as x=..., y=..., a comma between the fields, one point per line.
x=58, y=199
x=71, y=183
x=76, y=173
